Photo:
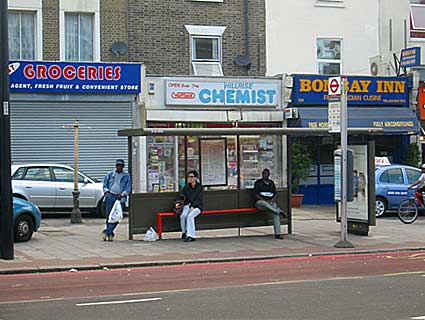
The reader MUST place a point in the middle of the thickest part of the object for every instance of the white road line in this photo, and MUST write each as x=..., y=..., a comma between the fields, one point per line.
x=116, y=302
x=418, y=318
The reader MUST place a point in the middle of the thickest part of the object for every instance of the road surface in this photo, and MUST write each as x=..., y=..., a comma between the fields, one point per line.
x=368, y=286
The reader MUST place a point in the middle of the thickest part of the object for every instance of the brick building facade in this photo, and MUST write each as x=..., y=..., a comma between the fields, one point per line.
x=158, y=37
x=156, y=32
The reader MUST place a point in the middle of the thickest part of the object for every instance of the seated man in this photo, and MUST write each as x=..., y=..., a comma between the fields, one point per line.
x=264, y=192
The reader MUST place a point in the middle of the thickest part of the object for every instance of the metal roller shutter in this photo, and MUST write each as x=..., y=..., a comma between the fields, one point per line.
x=38, y=135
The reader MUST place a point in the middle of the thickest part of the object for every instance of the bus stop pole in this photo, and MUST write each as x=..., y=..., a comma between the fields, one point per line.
x=6, y=213
x=344, y=243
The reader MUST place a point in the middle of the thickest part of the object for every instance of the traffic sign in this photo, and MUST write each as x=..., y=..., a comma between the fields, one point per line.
x=334, y=86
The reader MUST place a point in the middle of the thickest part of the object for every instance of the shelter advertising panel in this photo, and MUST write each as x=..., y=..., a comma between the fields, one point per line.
x=383, y=91
x=213, y=162
x=69, y=77
x=358, y=210
x=222, y=93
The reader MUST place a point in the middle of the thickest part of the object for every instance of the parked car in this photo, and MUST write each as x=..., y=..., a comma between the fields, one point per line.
x=391, y=185
x=26, y=219
x=50, y=186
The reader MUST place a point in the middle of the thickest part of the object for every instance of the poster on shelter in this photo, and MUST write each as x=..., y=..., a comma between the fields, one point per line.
x=357, y=210
x=213, y=162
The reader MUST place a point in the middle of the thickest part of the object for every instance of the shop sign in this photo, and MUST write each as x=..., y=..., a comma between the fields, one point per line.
x=69, y=77
x=223, y=93
x=402, y=124
x=384, y=91
x=410, y=57
x=421, y=100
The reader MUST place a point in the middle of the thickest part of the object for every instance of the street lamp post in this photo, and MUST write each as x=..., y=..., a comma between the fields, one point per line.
x=6, y=217
x=76, y=213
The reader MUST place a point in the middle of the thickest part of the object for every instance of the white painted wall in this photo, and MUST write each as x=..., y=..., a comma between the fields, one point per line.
x=397, y=11
x=35, y=6
x=294, y=25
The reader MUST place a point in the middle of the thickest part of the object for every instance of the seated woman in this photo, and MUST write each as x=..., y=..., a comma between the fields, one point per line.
x=192, y=206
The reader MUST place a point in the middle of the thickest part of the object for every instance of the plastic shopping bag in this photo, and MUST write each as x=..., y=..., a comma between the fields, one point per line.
x=116, y=214
x=151, y=235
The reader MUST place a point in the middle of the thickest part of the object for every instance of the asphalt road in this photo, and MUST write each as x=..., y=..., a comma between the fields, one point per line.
x=394, y=297
x=370, y=286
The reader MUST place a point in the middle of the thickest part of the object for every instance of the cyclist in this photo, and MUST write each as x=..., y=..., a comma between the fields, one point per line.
x=421, y=188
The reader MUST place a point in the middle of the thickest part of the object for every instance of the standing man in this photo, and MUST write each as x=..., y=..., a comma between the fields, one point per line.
x=264, y=193
x=116, y=186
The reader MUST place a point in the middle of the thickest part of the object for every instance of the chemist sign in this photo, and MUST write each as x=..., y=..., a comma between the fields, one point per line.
x=222, y=93
x=69, y=77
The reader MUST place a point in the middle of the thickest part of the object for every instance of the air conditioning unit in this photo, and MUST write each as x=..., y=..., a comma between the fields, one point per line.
x=377, y=67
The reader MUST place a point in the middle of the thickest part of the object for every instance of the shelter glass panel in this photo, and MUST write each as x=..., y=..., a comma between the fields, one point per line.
x=258, y=153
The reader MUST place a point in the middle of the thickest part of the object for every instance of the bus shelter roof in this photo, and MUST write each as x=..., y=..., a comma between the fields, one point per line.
x=235, y=131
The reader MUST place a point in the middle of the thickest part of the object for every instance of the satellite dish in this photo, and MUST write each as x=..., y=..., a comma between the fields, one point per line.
x=374, y=69
x=119, y=48
x=243, y=60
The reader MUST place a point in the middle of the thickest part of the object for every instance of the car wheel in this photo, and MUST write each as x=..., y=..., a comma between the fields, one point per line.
x=380, y=207
x=100, y=209
x=24, y=228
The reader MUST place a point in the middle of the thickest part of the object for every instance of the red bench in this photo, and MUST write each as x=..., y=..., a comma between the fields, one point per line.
x=160, y=215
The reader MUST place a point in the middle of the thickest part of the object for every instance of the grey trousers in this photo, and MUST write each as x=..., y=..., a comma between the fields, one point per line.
x=271, y=207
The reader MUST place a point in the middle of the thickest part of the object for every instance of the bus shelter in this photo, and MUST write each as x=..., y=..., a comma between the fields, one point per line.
x=144, y=205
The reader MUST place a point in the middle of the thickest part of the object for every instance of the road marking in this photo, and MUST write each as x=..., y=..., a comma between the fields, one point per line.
x=418, y=318
x=116, y=302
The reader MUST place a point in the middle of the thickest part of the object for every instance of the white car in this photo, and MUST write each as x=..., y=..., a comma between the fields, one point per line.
x=50, y=187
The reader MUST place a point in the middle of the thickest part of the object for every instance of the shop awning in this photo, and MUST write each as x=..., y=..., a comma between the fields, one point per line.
x=391, y=119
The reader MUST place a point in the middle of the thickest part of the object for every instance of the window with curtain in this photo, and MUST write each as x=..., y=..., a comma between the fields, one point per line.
x=329, y=56
x=21, y=35
x=79, y=37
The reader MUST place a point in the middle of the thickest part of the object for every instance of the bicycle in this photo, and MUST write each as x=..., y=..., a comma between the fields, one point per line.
x=408, y=209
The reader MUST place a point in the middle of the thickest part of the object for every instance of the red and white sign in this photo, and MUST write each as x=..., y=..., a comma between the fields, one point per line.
x=421, y=101
x=334, y=86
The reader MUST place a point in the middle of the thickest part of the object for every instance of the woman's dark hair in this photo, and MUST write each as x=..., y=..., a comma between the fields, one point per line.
x=194, y=172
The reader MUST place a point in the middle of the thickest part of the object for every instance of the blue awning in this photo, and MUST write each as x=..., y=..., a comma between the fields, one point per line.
x=394, y=120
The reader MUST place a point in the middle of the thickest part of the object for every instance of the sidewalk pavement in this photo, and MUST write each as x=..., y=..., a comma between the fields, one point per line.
x=60, y=246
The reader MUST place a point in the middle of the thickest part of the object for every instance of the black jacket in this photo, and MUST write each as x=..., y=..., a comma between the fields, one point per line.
x=192, y=195
x=261, y=186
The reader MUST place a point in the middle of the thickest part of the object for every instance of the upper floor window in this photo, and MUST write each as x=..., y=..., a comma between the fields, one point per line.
x=21, y=35
x=329, y=56
x=417, y=19
x=79, y=44
x=206, y=47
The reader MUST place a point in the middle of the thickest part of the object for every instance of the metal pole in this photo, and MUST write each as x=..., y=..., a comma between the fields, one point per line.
x=6, y=214
x=344, y=243
x=76, y=213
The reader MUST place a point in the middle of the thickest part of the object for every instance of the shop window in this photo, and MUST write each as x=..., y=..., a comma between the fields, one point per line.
x=258, y=153
x=417, y=19
x=22, y=35
x=329, y=56
x=162, y=164
x=79, y=40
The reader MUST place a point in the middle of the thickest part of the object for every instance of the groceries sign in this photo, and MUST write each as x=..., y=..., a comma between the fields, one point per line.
x=314, y=90
x=66, y=77
x=222, y=93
